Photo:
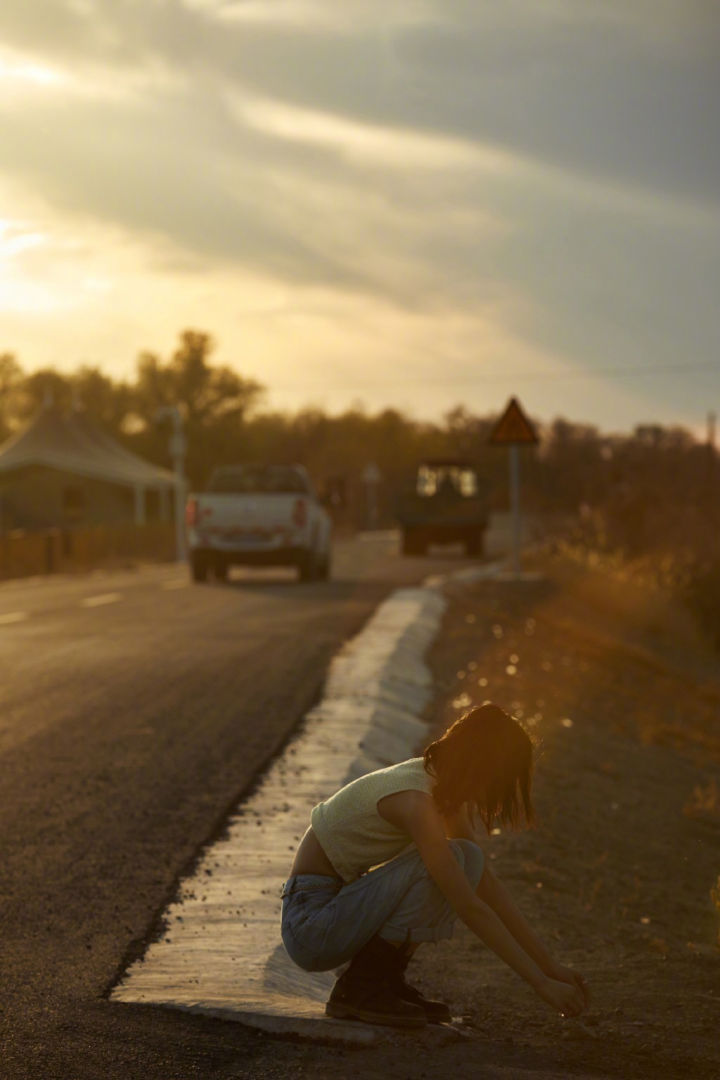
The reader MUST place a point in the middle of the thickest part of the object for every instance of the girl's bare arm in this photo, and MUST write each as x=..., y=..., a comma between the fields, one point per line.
x=493, y=892
x=415, y=813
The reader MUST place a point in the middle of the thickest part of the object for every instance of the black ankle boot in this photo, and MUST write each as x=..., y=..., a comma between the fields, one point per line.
x=436, y=1012
x=367, y=990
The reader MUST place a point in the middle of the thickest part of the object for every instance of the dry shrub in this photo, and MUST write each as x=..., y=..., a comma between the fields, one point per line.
x=705, y=799
x=715, y=896
x=702, y=595
x=679, y=556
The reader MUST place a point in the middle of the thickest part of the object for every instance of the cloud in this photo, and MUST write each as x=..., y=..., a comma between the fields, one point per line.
x=544, y=167
x=620, y=90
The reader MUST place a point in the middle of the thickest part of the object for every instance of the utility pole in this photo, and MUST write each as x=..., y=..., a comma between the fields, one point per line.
x=713, y=496
x=178, y=449
x=371, y=477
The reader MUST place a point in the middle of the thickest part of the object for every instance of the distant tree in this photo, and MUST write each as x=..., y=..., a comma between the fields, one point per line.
x=214, y=402
x=204, y=393
x=43, y=387
x=104, y=400
x=107, y=402
x=574, y=470
x=467, y=433
x=11, y=376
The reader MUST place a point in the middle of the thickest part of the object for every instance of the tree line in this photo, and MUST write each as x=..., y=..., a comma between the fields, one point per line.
x=656, y=487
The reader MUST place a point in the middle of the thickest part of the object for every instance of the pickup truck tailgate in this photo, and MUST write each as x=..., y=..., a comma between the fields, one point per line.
x=258, y=519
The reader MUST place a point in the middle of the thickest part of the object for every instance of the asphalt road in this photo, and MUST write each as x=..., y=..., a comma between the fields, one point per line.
x=135, y=711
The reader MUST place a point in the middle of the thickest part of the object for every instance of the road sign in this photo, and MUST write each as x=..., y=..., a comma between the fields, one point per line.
x=513, y=427
x=371, y=474
x=513, y=430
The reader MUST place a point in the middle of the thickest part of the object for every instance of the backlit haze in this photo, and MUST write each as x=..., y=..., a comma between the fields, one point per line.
x=415, y=204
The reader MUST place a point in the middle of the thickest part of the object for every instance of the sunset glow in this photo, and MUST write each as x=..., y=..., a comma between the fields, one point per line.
x=418, y=208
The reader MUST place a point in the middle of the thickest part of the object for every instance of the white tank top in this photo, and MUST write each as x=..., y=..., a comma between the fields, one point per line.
x=351, y=832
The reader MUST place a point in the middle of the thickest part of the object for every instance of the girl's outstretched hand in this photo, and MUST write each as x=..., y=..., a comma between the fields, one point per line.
x=564, y=997
x=574, y=978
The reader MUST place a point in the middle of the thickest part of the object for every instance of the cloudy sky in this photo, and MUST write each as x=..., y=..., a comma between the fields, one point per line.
x=409, y=202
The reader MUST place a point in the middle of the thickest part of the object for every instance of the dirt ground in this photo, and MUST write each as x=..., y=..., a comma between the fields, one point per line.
x=617, y=875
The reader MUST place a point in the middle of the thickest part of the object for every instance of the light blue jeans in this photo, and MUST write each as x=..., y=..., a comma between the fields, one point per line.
x=324, y=923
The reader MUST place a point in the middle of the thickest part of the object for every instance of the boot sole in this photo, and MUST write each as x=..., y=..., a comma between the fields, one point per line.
x=347, y=1012
x=446, y=1018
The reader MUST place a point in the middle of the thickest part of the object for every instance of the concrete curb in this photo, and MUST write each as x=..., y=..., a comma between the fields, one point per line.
x=221, y=953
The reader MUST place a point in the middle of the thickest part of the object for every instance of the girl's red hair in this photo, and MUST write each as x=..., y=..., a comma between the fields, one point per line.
x=485, y=759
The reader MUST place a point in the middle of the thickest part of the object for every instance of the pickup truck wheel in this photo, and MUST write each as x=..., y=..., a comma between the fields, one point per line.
x=198, y=566
x=323, y=569
x=307, y=566
x=474, y=544
x=413, y=542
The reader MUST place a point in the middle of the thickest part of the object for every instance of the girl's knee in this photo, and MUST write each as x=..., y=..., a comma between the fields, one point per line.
x=309, y=959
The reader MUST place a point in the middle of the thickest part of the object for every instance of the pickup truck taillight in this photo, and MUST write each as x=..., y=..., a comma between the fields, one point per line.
x=299, y=514
x=191, y=512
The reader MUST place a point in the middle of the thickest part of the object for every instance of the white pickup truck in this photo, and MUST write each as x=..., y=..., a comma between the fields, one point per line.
x=258, y=515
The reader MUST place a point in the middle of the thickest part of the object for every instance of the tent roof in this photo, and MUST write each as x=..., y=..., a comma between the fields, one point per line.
x=73, y=443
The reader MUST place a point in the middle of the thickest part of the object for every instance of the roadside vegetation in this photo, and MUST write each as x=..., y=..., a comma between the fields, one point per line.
x=620, y=873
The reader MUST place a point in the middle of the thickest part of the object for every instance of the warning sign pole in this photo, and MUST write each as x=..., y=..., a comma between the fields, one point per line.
x=514, y=430
x=515, y=506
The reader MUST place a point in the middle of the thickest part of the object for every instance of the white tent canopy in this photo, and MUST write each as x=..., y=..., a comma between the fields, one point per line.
x=72, y=443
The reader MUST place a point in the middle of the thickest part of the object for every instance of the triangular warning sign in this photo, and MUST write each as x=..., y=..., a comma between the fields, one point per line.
x=513, y=426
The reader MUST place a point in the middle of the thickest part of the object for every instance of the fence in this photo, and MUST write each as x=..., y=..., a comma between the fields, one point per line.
x=25, y=554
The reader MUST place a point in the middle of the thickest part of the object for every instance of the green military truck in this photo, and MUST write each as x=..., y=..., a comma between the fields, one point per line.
x=444, y=506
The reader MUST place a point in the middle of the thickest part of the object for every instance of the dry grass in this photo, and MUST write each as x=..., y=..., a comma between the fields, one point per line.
x=622, y=695
x=705, y=800
x=715, y=897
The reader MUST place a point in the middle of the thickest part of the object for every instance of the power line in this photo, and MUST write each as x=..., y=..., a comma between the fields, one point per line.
x=594, y=373
x=536, y=376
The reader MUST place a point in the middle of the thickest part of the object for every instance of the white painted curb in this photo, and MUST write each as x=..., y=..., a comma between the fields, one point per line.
x=221, y=953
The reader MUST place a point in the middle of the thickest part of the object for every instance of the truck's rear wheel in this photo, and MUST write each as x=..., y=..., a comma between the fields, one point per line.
x=413, y=542
x=323, y=570
x=198, y=566
x=307, y=566
x=475, y=544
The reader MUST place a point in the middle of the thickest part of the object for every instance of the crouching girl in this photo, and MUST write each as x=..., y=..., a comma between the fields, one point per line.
x=391, y=859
